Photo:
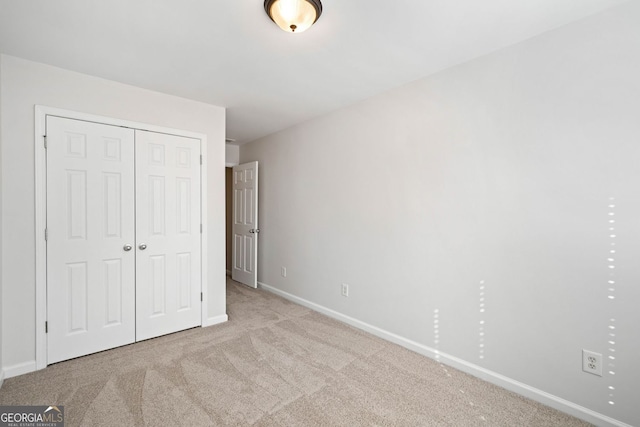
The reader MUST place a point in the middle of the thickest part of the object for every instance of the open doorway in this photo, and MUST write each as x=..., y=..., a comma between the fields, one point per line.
x=228, y=178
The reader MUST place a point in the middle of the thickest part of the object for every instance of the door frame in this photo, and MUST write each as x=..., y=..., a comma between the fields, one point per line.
x=41, y=113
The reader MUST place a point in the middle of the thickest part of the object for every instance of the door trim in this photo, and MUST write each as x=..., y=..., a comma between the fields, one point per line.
x=41, y=113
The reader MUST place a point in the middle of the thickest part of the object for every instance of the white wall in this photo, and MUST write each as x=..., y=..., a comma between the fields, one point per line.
x=1, y=240
x=483, y=192
x=25, y=84
x=232, y=155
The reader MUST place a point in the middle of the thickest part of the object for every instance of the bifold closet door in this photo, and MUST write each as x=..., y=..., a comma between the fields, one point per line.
x=124, y=233
x=168, y=233
x=90, y=228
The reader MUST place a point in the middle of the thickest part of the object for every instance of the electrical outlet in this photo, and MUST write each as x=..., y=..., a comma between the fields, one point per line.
x=283, y=271
x=592, y=362
x=345, y=290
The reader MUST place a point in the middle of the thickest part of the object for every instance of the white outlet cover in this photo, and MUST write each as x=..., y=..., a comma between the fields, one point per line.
x=345, y=290
x=592, y=362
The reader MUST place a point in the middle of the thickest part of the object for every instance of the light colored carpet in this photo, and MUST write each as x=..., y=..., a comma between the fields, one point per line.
x=274, y=363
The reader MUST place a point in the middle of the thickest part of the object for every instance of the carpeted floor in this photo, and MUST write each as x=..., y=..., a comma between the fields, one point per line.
x=274, y=363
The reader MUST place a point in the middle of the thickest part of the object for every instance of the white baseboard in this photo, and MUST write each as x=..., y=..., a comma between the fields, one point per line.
x=19, y=369
x=215, y=320
x=1, y=377
x=462, y=365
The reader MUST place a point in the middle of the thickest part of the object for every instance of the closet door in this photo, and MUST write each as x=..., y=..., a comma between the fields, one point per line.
x=168, y=282
x=90, y=227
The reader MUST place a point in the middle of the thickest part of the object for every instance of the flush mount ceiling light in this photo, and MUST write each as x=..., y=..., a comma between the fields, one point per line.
x=293, y=16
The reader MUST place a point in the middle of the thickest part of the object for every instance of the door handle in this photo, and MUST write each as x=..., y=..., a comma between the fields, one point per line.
x=257, y=230
x=252, y=231
x=142, y=246
x=127, y=248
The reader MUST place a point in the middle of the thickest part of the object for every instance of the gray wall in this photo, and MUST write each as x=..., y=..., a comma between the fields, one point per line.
x=25, y=84
x=471, y=211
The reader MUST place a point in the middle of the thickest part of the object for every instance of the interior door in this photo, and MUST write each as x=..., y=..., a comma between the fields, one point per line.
x=245, y=224
x=168, y=233
x=90, y=228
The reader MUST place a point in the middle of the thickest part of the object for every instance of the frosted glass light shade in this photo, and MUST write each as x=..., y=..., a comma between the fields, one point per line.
x=293, y=16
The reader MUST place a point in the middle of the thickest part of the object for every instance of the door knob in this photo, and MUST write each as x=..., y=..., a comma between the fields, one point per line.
x=252, y=231
x=142, y=246
x=127, y=248
x=257, y=230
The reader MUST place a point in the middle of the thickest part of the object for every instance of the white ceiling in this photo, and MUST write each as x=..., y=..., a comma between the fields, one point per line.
x=228, y=52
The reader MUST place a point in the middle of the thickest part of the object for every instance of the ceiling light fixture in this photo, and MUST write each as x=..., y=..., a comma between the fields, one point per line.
x=293, y=16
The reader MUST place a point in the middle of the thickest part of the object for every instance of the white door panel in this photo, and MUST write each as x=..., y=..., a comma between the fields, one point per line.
x=245, y=224
x=168, y=282
x=90, y=218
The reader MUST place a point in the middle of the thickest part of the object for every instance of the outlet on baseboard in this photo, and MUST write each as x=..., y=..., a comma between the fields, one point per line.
x=592, y=362
x=345, y=290
x=283, y=271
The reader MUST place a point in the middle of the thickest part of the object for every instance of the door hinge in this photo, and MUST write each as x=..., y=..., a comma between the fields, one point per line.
x=46, y=327
x=201, y=297
x=45, y=141
x=46, y=234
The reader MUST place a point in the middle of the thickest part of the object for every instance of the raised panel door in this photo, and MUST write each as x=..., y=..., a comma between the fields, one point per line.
x=90, y=219
x=168, y=281
x=245, y=224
